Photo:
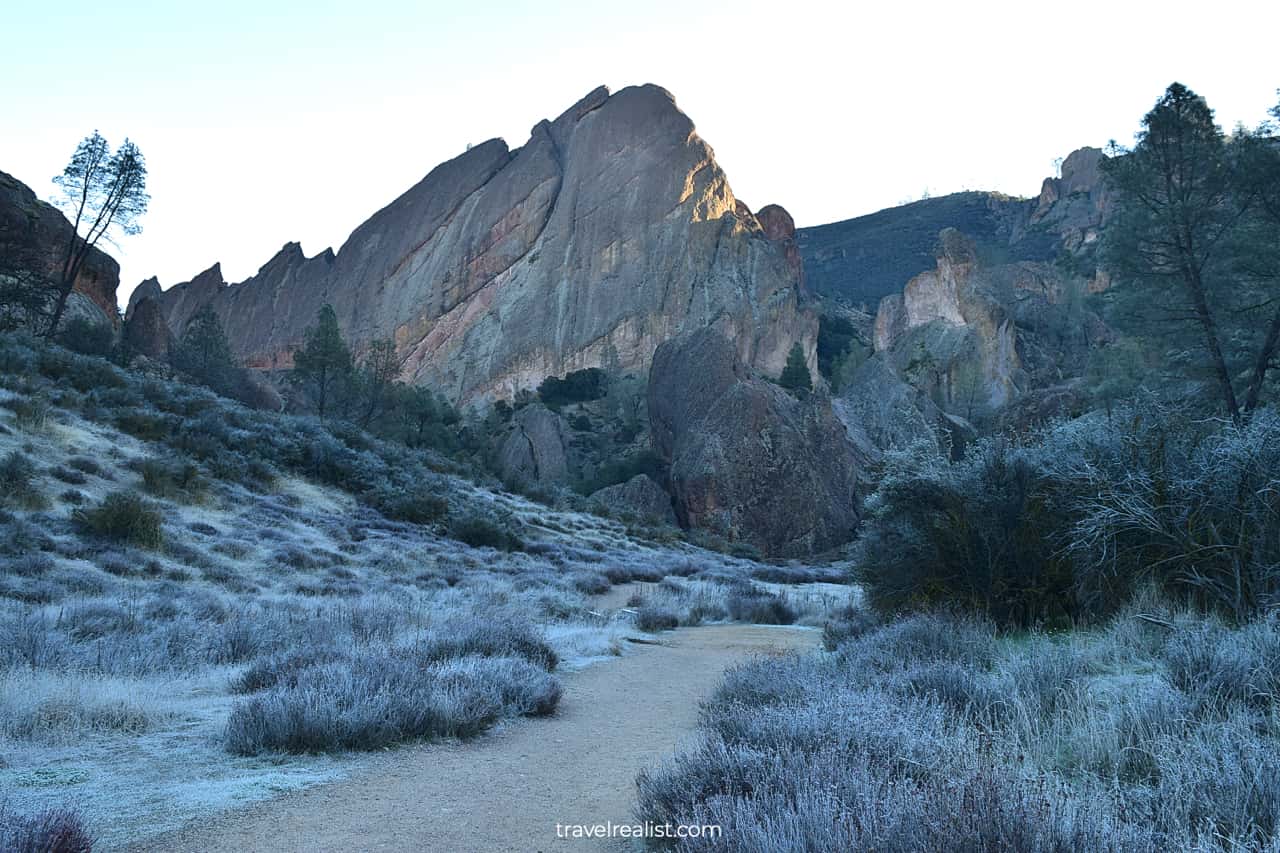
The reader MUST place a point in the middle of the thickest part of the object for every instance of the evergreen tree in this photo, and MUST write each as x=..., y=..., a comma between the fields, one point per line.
x=322, y=368
x=1169, y=238
x=795, y=375
x=1257, y=245
x=378, y=375
x=204, y=354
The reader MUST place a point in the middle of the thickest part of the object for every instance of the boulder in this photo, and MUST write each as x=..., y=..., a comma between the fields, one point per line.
x=534, y=453
x=748, y=460
x=639, y=495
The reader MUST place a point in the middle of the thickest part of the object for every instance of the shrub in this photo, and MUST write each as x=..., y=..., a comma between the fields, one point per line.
x=578, y=386
x=591, y=583
x=173, y=478
x=51, y=830
x=759, y=607
x=31, y=413
x=124, y=517
x=88, y=338
x=979, y=533
x=847, y=624
x=416, y=505
x=16, y=483
x=375, y=700
x=655, y=618
x=488, y=635
x=1215, y=666
x=481, y=532
x=284, y=668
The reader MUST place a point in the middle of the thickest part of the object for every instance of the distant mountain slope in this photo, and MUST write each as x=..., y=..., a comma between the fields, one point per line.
x=864, y=259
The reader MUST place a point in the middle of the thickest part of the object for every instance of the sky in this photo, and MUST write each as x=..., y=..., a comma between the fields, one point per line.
x=274, y=121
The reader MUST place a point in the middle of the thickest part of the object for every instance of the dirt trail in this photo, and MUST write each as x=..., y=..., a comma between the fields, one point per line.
x=509, y=789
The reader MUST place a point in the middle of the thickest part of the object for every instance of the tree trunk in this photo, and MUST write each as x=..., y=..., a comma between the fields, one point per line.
x=1260, y=367
x=1194, y=284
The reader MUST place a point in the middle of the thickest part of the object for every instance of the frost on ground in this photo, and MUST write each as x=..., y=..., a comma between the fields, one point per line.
x=202, y=606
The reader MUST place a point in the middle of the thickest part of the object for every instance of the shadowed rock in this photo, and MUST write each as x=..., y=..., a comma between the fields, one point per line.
x=639, y=495
x=534, y=452
x=747, y=459
x=33, y=240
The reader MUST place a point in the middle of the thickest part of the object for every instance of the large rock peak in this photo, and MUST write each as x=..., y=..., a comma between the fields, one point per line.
x=611, y=230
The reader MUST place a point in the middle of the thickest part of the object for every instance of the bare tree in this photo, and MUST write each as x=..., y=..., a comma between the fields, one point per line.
x=103, y=191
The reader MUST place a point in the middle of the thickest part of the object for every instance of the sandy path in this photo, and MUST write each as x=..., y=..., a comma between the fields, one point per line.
x=507, y=790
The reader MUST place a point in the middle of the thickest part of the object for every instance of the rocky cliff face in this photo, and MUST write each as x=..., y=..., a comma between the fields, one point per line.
x=33, y=239
x=609, y=232
x=952, y=297
x=747, y=459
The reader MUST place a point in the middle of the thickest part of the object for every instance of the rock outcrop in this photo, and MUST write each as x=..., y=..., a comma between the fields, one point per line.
x=747, y=459
x=612, y=230
x=145, y=331
x=534, y=453
x=639, y=495
x=952, y=296
x=33, y=240
x=967, y=340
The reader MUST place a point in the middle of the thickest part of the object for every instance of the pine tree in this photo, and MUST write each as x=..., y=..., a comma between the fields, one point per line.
x=204, y=354
x=1168, y=238
x=795, y=375
x=322, y=367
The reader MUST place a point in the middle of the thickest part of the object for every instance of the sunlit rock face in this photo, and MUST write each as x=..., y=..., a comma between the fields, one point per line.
x=610, y=231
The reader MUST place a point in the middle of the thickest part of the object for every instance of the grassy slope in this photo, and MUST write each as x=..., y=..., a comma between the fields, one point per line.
x=122, y=670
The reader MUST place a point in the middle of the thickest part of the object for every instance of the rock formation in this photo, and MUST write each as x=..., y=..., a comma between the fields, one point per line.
x=33, y=240
x=639, y=495
x=951, y=297
x=534, y=453
x=145, y=331
x=747, y=459
x=612, y=230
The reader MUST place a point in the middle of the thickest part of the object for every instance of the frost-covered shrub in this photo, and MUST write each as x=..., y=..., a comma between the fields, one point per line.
x=51, y=830
x=374, y=700
x=848, y=623
x=757, y=606
x=653, y=617
x=480, y=531
x=1065, y=524
x=488, y=635
x=124, y=517
x=17, y=486
x=1194, y=506
x=175, y=477
x=935, y=733
x=980, y=533
x=1216, y=666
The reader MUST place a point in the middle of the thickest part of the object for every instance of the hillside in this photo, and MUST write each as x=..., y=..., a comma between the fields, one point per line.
x=859, y=261
x=181, y=572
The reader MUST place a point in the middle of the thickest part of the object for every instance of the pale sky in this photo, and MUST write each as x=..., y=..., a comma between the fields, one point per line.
x=266, y=122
